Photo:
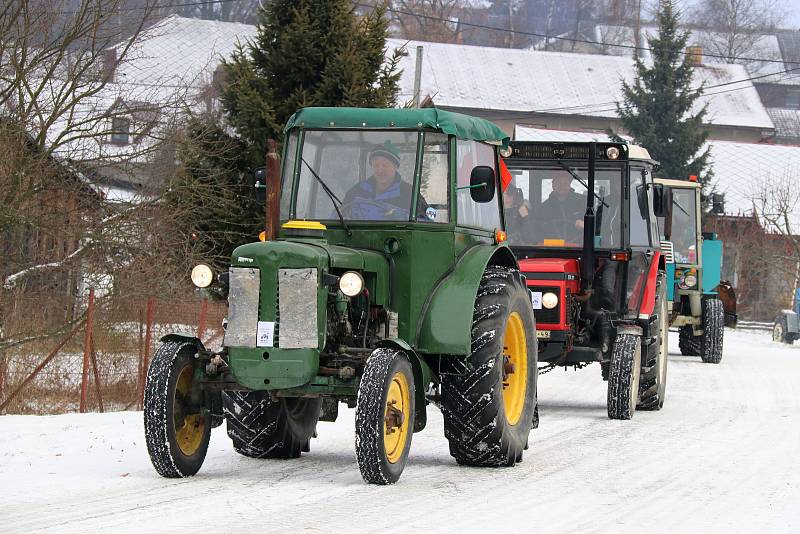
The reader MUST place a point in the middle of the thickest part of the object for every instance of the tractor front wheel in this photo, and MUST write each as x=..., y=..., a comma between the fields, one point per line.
x=623, y=376
x=780, y=332
x=384, y=416
x=490, y=408
x=176, y=427
x=261, y=427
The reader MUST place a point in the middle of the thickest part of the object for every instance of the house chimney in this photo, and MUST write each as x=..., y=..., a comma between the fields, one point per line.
x=109, y=64
x=695, y=55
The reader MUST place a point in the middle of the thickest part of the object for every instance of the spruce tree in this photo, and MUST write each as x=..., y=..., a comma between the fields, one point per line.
x=657, y=106
x=307, y=53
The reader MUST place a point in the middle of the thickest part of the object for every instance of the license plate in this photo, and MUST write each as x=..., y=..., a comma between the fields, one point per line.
x=544, y=334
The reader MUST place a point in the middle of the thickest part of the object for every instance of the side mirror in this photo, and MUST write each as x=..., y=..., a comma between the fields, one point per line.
x=718, y=203
x=662, y=200
x=481, y=184
x=260, y=185
x=641, y=200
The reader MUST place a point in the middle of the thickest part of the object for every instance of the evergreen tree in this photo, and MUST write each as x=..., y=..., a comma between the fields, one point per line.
x=657, y=107
x=307, y=53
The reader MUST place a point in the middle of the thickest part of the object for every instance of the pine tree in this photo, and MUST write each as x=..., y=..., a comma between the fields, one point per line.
x=657, y=107
x=307, y=53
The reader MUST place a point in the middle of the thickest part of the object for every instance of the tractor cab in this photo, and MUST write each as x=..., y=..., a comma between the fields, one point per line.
x=581, y=218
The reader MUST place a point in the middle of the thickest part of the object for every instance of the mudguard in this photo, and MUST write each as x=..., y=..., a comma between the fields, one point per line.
x=446, y=317
x=186, y=338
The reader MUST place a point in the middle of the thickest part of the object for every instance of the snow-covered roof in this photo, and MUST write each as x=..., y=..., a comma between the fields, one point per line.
x=559, y=83
x=766, y=46
x=786, y=121
x=181, y=51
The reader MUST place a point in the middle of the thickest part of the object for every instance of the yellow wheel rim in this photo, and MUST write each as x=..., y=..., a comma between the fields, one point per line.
x=189, y=427
x=395, y=417
x=515, y=368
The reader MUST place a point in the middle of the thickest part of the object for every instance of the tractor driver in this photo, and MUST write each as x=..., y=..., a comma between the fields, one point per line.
x=384, y=196
x=562, y=213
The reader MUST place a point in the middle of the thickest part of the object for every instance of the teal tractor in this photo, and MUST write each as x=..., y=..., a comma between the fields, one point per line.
x=694, y=264
x=786, y=327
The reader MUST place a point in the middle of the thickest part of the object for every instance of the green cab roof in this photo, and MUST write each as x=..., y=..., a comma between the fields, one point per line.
x=462, y=126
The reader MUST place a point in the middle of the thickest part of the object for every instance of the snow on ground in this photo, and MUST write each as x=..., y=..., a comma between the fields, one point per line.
x=722, y=456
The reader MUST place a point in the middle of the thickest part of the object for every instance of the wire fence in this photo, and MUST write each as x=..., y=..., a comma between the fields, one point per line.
x=98, y=361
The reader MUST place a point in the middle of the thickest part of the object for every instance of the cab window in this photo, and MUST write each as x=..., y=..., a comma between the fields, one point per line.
x=471, y=154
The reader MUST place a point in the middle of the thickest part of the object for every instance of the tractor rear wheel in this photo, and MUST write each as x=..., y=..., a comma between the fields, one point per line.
x=653, y=383
x=261, y=427
x=490, y=408
x=176, y=427
x=713, y=331
x=623, y=376
x=384, y=416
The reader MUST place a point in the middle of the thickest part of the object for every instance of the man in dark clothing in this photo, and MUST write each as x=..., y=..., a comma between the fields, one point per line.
x=561, y=215
x=516, y=215
x=384, y=196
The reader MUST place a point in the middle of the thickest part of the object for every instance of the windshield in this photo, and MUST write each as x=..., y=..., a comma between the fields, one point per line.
x=545, y=207
x=684, y=225
x=368, y=174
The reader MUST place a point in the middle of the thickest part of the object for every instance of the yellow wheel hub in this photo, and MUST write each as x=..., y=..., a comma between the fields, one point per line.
x=189, y=427
x=515, y=368
x=396, y=417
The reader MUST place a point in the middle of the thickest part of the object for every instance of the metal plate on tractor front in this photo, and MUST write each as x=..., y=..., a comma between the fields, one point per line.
x=297, y=307
x=243, y=292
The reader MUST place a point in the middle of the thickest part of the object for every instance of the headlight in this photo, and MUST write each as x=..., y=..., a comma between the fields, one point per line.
x=351, y=283
x=612, y=152
x=690, y=280
x=549, y=300
x=505, y=152
x=202, y=276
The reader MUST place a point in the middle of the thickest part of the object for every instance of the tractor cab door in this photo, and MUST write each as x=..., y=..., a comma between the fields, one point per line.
x=643, y=238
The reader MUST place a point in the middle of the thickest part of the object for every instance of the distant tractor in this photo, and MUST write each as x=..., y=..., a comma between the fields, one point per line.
x=584, y=229
x=786, y=327
x=389, y=285
x=694, y=264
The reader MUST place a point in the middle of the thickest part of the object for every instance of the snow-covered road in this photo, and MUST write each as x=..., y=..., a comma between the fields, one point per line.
x=722, y=456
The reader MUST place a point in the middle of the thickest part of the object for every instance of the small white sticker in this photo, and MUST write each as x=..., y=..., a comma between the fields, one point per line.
x=431, y=213
x=536, y=300
x=243, y=259
x=266, y=329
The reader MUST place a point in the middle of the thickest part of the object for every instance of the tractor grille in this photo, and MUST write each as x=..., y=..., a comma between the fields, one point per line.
x=668, y=250
x=544, y=315
x=243, y=295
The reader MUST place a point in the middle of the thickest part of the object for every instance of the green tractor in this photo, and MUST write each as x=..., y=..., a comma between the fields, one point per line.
x=389, y=285
x=694, y=263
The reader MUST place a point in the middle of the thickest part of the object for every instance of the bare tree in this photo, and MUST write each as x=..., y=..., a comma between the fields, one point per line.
x=737, y=27
x=428, y=20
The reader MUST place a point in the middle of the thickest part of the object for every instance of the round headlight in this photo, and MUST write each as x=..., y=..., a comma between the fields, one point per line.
x=612, y=152
x=505, y=152
x=549, y=300
x=351, y=283
x=202, y=275
x=690, y=280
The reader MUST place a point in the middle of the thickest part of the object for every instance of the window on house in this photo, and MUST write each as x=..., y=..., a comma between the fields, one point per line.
x=793, y=98
x=120, y=131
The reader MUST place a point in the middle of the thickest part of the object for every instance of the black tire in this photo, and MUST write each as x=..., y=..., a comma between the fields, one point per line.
x=779, y=332
x=623, y=376
x=176, y=431
x=688, y=342
x=713, y=331
x=475, y=420
x=653, y=383
x=385, y=369
x=260, y=427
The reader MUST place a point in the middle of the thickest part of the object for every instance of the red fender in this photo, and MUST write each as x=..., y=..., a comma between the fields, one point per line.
x=649, y=297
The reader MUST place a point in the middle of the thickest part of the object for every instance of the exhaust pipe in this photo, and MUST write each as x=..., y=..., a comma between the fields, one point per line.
x=587, y=263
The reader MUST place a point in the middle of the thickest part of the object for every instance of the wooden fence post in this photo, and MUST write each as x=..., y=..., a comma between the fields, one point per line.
x=148, y=338
x=141, y=359
x=96, y=376
x=87, y=348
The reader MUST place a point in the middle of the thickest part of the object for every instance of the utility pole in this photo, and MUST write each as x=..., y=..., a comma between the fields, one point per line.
x=637, y=30
x=417, y=76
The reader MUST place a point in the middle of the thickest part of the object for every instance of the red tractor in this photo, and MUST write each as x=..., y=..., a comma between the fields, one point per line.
x=582, y=220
